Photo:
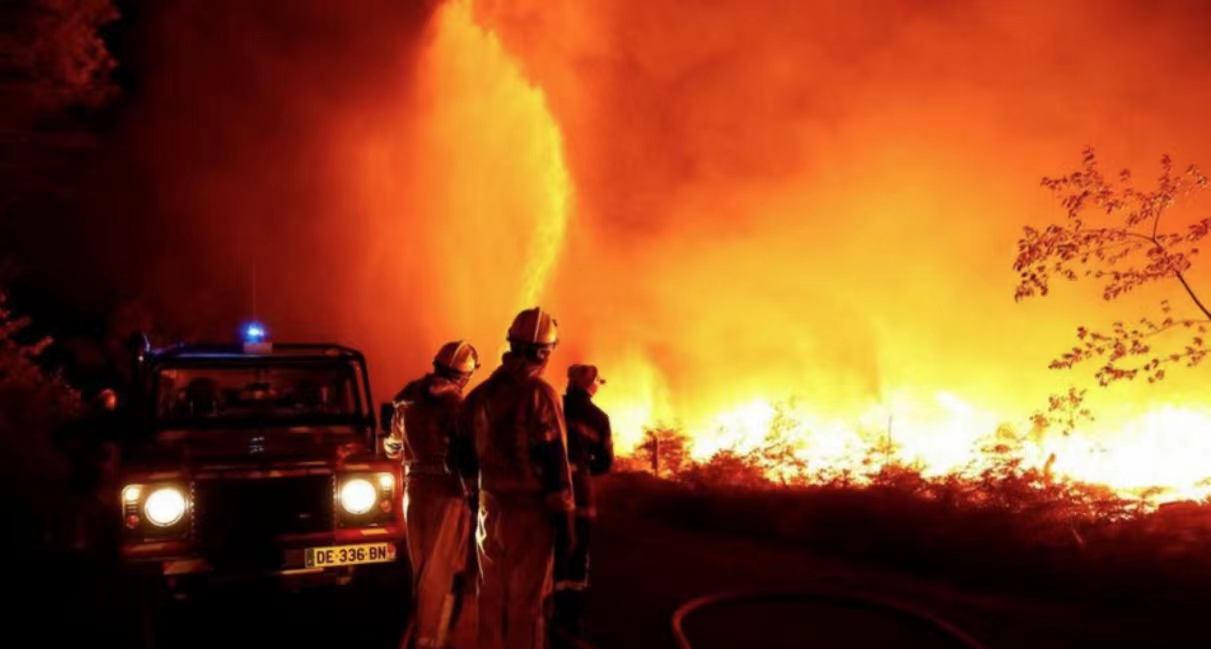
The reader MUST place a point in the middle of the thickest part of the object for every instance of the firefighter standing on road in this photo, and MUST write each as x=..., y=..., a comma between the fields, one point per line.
x=512, y=439
x=435, y=511
x=591, y=453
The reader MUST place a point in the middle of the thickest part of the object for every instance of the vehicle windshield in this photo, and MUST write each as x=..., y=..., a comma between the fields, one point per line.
x=267, y=392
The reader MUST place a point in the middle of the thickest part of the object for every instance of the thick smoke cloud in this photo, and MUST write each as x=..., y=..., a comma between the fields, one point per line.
x=824, y=198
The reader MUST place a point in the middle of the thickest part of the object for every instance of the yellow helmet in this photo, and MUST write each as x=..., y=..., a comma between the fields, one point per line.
x=534, y=327
x=458, y=357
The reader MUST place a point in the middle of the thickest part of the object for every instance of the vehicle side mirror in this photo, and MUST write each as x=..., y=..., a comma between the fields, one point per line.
x=386, y=414
x=138, y=345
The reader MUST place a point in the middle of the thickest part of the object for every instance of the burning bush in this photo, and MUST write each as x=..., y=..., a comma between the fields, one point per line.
x=997, y=477
x=1002, y=519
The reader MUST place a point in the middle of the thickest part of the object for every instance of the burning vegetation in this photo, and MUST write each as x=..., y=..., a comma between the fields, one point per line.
x=1114, y=235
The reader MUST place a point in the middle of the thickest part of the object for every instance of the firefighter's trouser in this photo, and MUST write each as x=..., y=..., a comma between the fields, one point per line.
x=439, y=528
x=571, y=574
x=516, y=541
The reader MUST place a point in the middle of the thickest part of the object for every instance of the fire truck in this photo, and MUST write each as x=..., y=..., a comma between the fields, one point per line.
x=256, y=460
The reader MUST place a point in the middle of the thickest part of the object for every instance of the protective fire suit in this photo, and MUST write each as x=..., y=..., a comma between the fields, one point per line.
x=435, y=510
x=513, y=439
x=590, y=453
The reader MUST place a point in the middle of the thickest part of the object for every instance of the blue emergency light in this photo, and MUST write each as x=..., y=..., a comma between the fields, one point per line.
x=256, y=339
x=254, y=332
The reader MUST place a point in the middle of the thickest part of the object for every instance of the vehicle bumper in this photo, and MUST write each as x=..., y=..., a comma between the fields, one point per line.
x=180, y=562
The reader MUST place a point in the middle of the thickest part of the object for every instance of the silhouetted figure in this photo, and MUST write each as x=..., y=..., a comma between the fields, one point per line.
x=591, y=453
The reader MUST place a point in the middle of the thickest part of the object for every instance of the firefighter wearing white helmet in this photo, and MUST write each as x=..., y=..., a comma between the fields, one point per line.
x=435, y=509
x=513, y=442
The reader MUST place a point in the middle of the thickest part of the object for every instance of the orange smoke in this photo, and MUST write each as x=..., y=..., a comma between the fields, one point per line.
x=822, y=202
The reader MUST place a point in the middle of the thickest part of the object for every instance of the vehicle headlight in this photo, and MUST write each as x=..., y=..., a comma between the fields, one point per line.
x=165, y=506
x=358, y=496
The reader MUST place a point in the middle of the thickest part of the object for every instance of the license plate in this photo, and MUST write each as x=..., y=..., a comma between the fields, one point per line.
x=349, y=555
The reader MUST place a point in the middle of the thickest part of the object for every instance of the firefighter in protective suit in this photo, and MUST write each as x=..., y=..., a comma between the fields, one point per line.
x=590, y=454
x=514, y=443
x=435, y=509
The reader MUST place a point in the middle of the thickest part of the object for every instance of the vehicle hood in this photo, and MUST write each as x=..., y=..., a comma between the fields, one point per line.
x=194, y=448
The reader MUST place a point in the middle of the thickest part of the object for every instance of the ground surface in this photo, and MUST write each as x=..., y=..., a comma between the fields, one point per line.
x=643, y=570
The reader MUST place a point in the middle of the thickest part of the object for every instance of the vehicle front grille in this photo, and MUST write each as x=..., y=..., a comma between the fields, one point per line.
x=236, y=519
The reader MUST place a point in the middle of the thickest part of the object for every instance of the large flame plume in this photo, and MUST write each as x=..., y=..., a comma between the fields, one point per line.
x=485, y=174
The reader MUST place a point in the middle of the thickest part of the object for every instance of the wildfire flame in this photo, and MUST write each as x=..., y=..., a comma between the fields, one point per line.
x=1163, y=449
x=496, y=123
x=467, y=190
x=476, y=84
x=727, y=269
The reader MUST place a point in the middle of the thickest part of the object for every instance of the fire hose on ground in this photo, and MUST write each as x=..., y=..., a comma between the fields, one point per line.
x=835, y=598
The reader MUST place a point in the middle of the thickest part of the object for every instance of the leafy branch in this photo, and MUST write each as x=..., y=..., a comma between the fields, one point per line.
x=1113, y=234
x=1064, y=411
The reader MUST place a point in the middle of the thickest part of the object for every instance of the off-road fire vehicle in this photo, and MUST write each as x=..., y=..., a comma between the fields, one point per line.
x=256, y=459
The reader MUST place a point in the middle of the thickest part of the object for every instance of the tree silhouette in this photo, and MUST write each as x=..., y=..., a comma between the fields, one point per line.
x=665, y=450
x=1115, y=234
